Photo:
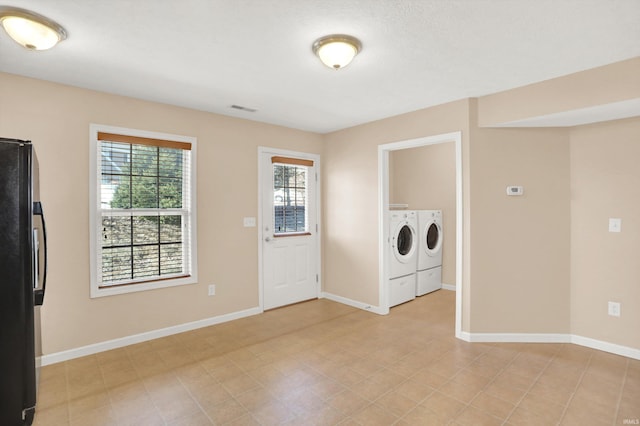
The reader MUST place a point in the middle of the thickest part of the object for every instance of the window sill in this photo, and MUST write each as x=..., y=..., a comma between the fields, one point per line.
x=134, y=287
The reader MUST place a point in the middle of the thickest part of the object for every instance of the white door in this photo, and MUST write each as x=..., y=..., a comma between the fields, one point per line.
x=289, y=232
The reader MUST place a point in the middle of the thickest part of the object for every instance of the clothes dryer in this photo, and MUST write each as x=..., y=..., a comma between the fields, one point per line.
x=403, y=238
x=429, y=267
x=403, y=256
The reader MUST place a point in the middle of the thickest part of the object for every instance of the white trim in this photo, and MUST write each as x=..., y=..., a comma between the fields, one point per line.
x=354, y=303
x=468, y=337
x=94, y=211
x=519, y=337
x=383, y=221
x=606, y=346
x=588, y=342
x=316, y=165
x=450, y=287
x=464, y=335
x=143, y=337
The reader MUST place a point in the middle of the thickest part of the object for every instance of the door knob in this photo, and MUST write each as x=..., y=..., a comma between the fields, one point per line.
x=267, y=239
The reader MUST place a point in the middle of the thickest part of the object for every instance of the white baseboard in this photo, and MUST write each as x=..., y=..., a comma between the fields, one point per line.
x=463, y=335
x=606, y=346
x=551, y=338
x=520, y=337
x=450, y=287
x=143, y=337
x=354, y=303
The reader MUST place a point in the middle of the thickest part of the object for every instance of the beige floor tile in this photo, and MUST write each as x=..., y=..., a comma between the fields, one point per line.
x=192, y=419
x=396, y=403
x=443, y=405
x=373, y=415
x=225, y=411
x=542, y=407
x=323, y=363
x=577, y=415
x=421, y=415
x=460, y=391
x=509, y=394
x=253, y=399
x=240, y=384
x=493, y=405
x=558, y=394
x=273, y=413
x=474, y=417
x=523, y=417
x=414, y=390
x=348, y=402
x=56, y=415
x=370, y=389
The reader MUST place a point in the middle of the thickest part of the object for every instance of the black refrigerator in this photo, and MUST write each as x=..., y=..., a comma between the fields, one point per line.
x=22, y=281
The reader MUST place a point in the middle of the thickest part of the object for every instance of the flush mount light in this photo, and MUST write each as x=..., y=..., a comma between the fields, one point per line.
x=32, y=31
x=336, y=51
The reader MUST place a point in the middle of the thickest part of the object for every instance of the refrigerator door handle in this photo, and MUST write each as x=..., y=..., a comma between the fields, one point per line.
x=40, y=290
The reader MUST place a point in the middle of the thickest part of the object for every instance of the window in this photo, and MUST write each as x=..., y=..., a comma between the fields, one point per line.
x=143, y=210
x=290, y=195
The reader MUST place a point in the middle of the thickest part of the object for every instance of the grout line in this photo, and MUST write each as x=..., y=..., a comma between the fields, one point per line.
x=535, y=381
x=624, y=382
x=66, y=383
x=575, y=389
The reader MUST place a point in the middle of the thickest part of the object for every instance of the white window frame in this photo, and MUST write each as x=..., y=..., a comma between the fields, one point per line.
x=95, y=214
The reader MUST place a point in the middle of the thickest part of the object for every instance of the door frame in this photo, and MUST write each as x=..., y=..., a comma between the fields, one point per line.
x=316, y=161
x=383, y=219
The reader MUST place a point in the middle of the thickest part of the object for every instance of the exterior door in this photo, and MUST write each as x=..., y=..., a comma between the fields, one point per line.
x=289, y=232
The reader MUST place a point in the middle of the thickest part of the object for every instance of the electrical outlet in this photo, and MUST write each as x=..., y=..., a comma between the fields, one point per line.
x=614, y=309
x=615, y=224
x=212, y=289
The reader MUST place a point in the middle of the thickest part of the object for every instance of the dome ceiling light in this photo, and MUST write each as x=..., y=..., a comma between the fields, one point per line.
x=337, y=51
x=32, y=31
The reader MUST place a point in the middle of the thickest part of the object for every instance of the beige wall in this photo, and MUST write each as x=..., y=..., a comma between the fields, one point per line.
x=605, y=182
x=598, y=86
x=425, y=178
x=57, y=119
x=350, y=194
x=531, y=264
x=520, y=244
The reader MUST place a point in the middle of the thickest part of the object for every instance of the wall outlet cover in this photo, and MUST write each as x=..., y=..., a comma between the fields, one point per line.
x=615, y=224
x=614, y=309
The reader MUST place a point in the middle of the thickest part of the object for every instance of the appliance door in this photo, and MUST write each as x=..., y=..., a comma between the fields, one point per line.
x=433, y=238
x=17, y=360
x=402, y=242
x=39, y=280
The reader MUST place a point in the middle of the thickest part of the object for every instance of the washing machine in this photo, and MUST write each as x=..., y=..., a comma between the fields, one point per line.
x=403, y=257
x=429, y=266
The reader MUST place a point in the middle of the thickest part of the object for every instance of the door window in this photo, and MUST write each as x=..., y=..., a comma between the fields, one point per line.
x=290, y=199
x=405, y=240
x=432, y=236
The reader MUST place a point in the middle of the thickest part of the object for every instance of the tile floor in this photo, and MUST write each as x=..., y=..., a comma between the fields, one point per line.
x=321, y=362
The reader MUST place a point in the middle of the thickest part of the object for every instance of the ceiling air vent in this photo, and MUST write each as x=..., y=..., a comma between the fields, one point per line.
x=243, y=108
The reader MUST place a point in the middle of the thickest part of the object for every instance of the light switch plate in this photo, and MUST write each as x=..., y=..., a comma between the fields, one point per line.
x=249, y=222
x=615, y=224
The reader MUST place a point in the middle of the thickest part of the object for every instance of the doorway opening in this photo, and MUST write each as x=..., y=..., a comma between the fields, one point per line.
x=383, y=219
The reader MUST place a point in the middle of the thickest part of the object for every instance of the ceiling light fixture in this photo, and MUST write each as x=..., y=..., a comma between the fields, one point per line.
x=337, y=51
x=32, y=31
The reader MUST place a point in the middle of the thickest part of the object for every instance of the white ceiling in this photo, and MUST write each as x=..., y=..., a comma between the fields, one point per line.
x=211, y=54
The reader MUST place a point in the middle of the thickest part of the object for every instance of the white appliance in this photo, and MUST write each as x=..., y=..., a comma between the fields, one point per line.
x=429, y=268
x=403, y=257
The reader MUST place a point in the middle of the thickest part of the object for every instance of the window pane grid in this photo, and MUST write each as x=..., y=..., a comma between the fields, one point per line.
x=290, y=198
x=144, y=227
